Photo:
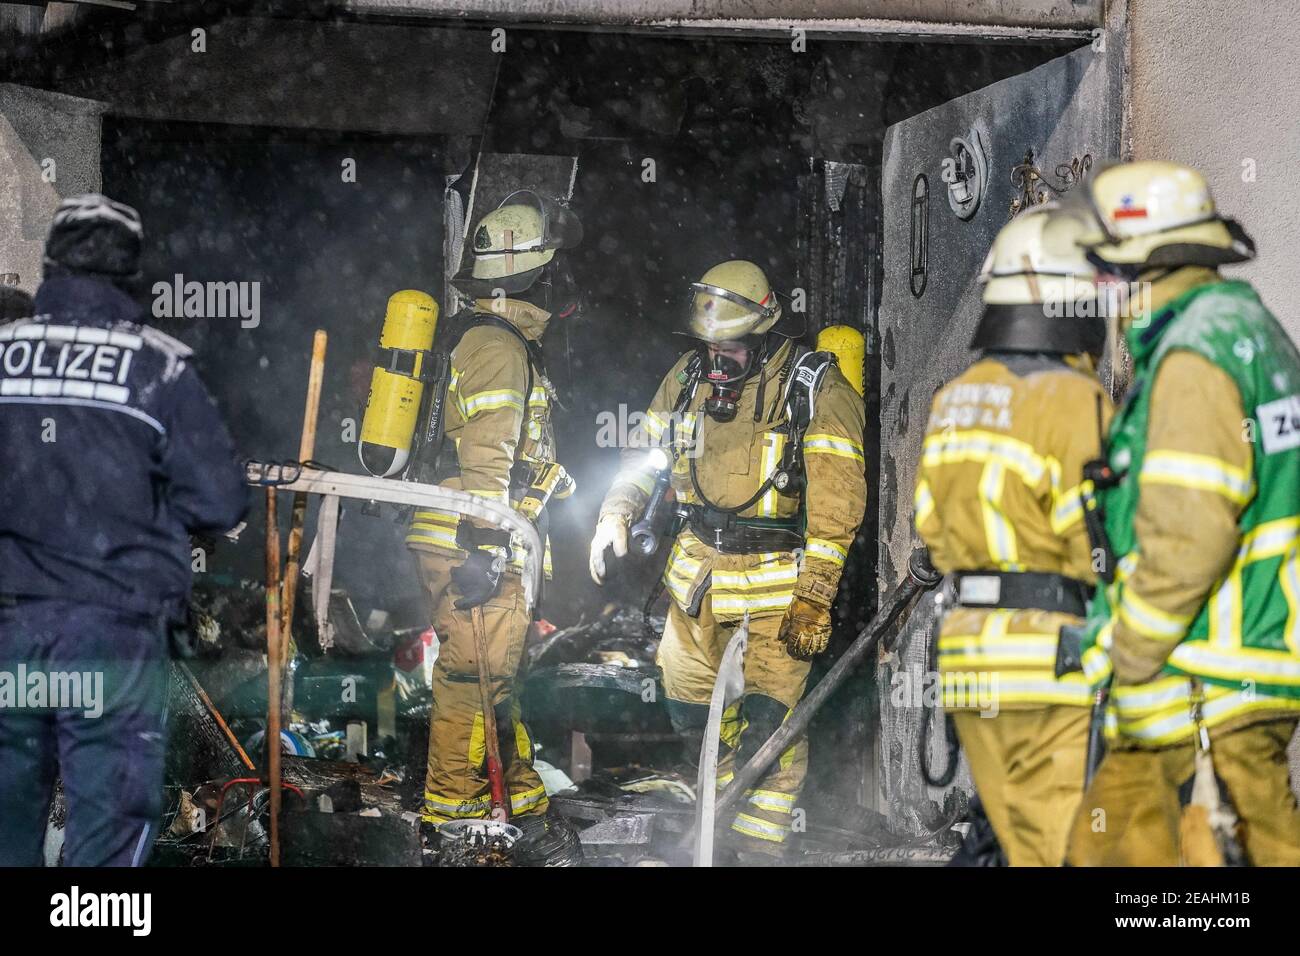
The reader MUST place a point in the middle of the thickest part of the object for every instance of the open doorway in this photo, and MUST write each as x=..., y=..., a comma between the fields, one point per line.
x=690, y=149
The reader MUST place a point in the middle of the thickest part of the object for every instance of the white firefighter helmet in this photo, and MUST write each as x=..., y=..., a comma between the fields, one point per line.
x=1039, y=287
x=731, y=302
x=514, y=242
x=1036, y=258
x=1153, y=214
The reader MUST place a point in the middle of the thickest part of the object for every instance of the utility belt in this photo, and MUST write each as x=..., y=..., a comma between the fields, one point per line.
x=729, y=534
x=1027, y=590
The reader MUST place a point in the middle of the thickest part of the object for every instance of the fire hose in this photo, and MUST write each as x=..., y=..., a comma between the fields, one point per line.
x=921, y=577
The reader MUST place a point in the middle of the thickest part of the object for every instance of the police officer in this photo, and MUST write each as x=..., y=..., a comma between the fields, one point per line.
x=998, y=504
x=1200, y=629
x=501, y=446
x=114, y=455
x=762, y=443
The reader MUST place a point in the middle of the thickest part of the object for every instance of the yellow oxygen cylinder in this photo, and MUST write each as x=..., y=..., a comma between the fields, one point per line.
x=396, y=389
x=850, y=347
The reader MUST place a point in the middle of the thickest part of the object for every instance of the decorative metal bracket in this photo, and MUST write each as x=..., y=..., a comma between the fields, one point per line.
x=1035, y=189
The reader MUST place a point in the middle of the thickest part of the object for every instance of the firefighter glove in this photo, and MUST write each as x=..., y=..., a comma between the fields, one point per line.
x=806, y=629
x=611, y=532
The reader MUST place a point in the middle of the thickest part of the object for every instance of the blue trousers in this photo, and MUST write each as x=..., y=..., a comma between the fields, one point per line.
x=82, y=694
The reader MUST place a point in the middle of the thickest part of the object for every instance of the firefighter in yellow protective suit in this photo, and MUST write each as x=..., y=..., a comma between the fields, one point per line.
x=769, y=499
x=1198, y=633
x=998, y=505
x=498, y=419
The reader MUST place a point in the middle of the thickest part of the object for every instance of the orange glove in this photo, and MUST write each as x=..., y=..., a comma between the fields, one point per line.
x=806, y=629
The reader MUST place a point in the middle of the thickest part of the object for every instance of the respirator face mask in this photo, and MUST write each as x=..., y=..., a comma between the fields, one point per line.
x=727, y=366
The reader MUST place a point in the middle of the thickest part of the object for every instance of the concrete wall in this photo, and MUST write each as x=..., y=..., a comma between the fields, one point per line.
x=1214, y=84
x=49, y=149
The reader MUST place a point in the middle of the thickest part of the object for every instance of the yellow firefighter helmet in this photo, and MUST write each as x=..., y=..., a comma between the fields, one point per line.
x=731, y=302
x=1040, y=293
x=1158, y=214
x=514, y=242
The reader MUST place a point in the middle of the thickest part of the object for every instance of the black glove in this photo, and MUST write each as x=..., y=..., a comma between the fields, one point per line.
x=1069, y=649
x=477, y=578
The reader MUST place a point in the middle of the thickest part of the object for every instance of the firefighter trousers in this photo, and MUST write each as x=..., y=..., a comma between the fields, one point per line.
x=1130, y=815
x=1028, y=770
x=456, y=783
x=690, y=656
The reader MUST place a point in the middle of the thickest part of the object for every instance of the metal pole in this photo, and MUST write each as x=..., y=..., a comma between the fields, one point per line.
x=271, y=740
x=920, y=577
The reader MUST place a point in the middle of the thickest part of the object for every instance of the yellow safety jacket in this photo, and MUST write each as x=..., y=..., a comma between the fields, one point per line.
x=732, y=460
x=998, y=489
x=486, y=421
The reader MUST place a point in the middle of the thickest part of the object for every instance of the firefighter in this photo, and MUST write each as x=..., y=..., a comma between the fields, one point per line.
x=114, y=455
x=501, y=447
x=1200, y=629
x=770, y=498
x=998, y=505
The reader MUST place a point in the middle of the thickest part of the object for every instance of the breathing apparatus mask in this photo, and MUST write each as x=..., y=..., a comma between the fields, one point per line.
x=727, y=372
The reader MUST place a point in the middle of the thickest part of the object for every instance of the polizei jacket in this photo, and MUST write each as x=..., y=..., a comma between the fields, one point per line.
x=732, y=460
x=114, y=454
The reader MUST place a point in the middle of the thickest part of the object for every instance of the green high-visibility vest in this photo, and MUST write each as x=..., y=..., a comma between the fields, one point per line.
x=1247, y=635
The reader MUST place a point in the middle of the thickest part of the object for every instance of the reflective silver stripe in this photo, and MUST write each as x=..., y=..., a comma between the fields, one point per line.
x=88, y=403
x=1199, y=472
x=142, y=846
x=1200, y=658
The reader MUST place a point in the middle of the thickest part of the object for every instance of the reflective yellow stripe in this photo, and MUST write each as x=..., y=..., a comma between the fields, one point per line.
x=1224, y=611
x=828, y=550
x=972, y=650
x=923, y=503
x=1290, y=575
x=999, y=535
x=966, y=690
x=492, y=399
x=1160, y=712
x=1242, y=664
x=1068, y=509
x=1199, y=472
x=732, y=605
x=772, y=801
x=420, y=533
x=438, y=517
x=783, y=573
x=438, y=808
x=1269, y=540
x=680, y=574
x=653, y=425
x=1096, y=665
x=770, y=455
x=958, y=446
x=834, y=445
x=519, y=802
x=1149, y=621
x=760, y=829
